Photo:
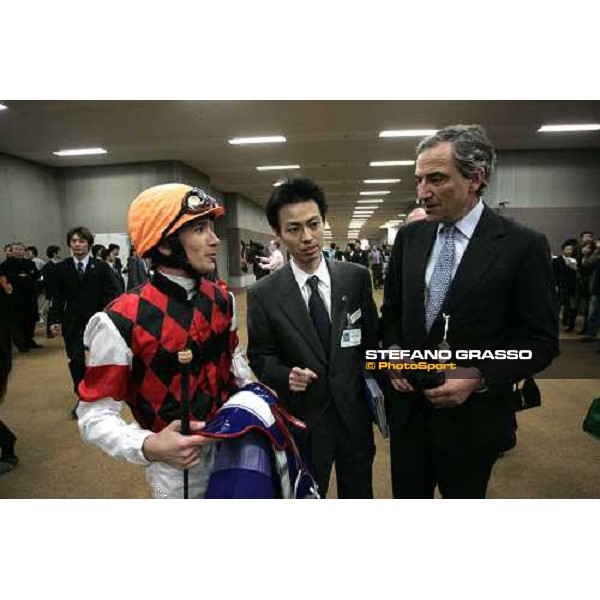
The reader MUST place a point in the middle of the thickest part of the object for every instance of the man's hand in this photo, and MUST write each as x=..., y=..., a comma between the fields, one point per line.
x=56, y=329
x=179, y=451
x=398, y=382
x=460, y=384
x=300, y=378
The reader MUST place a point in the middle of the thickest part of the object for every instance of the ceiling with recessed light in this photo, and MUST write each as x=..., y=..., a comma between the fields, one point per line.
x=333, y=142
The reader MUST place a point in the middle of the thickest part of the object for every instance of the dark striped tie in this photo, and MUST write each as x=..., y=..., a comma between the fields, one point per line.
x=318, y=313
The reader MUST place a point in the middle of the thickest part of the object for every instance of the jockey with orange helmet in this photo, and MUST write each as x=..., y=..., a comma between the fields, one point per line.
x=134, y=345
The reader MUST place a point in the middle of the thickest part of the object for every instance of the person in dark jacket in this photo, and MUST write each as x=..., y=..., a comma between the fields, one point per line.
x=53, y=254
x=8, y=458
x=23, y=275
x=593, y=320
x=137, y=270
x=81, y=286
x=565, y=277
x=466, y=278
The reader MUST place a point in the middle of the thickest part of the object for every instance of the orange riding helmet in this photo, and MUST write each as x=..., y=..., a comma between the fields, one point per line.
x=161, y=210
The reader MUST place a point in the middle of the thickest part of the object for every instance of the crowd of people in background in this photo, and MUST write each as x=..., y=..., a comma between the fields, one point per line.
x=577, y=277
x=31, y=279
x=36, y=292
x=374, y=257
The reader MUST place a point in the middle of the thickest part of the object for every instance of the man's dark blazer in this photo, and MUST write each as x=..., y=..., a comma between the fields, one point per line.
x=137, y=272
x=564, y=276
x=502, y=297
x=281, y=335
x=23, y=275
x=75, y=301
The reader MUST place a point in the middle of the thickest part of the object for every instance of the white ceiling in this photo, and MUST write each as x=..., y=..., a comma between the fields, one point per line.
x=333, y=141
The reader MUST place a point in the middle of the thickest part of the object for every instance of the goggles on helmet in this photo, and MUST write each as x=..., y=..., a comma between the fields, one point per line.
x=195, y=202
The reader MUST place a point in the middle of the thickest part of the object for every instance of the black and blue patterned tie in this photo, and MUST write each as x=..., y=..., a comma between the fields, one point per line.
x=318, y=313
x=80, y=271
x=441, y=276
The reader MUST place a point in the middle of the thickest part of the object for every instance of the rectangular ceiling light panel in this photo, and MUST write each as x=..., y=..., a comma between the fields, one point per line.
x=264, y=139
x=80, y=152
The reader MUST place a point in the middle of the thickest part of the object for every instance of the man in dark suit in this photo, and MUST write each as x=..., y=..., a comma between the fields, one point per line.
x=565, y=277
x=23, y=275
x=81, y=286
x=308, y=325
x=116, y=264
x=471, y=279
x=53, y=254
x=8, y=458
x=137, y=270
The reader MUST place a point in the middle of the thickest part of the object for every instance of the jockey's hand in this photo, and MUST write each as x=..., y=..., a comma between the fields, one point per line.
x=170, y=447
x=300, y=378
x=56, y=329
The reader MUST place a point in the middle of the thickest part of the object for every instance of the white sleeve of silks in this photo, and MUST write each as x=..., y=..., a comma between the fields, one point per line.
x=240, y=367
x=100, y=422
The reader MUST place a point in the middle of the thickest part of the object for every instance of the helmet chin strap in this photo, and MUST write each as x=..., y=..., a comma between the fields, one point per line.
x=178, y=259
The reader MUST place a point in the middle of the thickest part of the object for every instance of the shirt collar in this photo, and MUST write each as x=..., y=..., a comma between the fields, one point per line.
x=187, y=283
x=467, y=224
x=83, y=260
x=181, y=288
x=302, y=277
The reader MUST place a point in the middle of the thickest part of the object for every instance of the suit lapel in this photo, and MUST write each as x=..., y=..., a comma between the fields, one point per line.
x=295, y=310
x=339, y=305
x=416, y=265
x=91, y=267
x=477, y=259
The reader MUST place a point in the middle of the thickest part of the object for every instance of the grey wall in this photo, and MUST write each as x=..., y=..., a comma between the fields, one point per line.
x=99, y=197
x=247, y=214
x=222, y=231
x=558, y=223
x=30, y=208
x=556, y=192
x=38, y=205
x=183, y=173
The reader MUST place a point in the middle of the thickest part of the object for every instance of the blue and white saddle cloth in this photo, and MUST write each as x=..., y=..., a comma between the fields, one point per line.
x=258, y=455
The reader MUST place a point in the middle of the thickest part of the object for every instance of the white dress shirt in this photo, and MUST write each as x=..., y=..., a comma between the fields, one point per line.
x=464, y=232
x=324, y=277
x=85, y=260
